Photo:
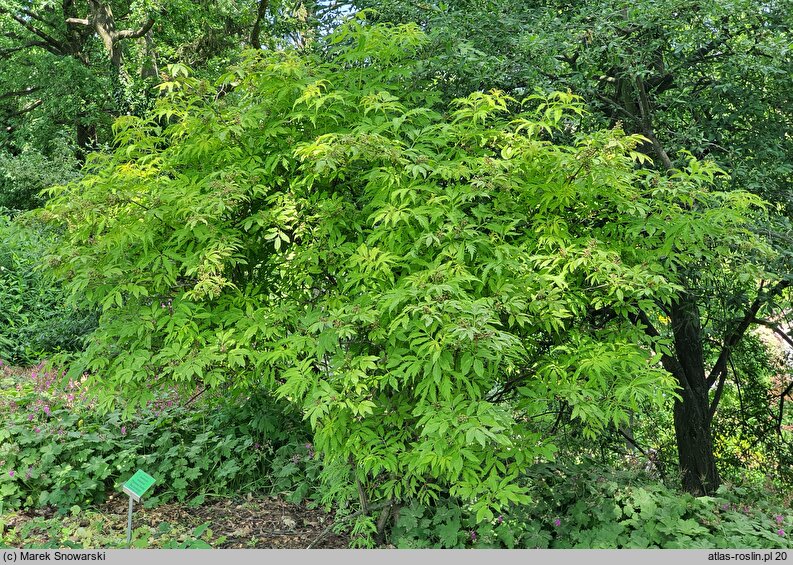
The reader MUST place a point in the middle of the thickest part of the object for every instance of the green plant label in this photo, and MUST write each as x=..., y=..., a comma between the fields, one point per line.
x=138, y=484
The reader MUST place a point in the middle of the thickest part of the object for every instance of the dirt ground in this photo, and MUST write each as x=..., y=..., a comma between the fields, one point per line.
x=246, y=523
x=240, y=523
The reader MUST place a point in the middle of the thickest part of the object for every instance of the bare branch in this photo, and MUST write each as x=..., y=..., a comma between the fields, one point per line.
x=740, y=329
x=23, y=92
x=38, y=18
x=28, y=45
x=782, y=407
x=633, y=442
x=647, y=128
x=134, y=34
x=78, y=21
x=717, y=395
x=776, y=329
x=54, y=45
x=26, y=109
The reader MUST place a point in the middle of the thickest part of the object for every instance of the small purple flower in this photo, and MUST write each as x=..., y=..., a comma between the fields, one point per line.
x=779, y=518
x=256, y=446
x=30, y=417
x=47, y=409
x=473, y=535
x=781, y=532
x=557, y=522
x=37, y=429
x=123, y=430
x=11, y=474
x=725, y=506
x=500, y=519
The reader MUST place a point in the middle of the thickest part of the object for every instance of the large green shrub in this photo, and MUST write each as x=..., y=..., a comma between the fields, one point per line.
x=421, y=284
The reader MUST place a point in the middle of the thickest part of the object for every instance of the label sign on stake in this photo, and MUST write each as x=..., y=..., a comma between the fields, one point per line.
x=136, y=487
x=138, y=484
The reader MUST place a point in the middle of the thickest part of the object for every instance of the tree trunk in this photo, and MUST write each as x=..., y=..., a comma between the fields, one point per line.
x=695, y=445
x=692, y=413
x=149, y=68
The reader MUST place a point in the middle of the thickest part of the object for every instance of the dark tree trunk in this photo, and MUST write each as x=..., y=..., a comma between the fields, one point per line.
x=692, y=413
x=695, y=444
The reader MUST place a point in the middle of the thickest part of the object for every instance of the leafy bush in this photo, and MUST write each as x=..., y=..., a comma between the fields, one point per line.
x=56, y=450
x=593, y=506
x=422, y=285
x=24, y=176
x=35, y=318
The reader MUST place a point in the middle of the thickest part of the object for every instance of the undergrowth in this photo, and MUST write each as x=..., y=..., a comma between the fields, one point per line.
x=56, y=450
x=585, y=505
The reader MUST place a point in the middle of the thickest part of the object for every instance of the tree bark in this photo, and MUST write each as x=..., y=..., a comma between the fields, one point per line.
x=261, y=10
x=692, y=411
x=101, y=20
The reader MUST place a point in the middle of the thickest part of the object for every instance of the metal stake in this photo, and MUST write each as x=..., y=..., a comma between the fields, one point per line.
x=129, y=522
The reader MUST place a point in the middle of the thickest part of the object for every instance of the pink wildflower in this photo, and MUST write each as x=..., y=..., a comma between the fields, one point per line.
x=557, y=522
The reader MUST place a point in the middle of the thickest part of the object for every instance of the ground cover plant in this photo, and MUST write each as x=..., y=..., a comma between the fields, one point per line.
x=584, y=506
x=57, y=451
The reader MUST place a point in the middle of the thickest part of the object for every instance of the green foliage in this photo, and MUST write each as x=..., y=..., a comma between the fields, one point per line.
x=56, y=450
x=34, y=318
x=597, y=507
x=421, y=285
x=24, y=176
x=594, y=506
x=716, y=74
x=59, y=81
x=752, y=442
x=91, y=530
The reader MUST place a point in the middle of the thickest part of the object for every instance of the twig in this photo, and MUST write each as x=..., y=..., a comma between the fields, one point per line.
x=196, y=395
x=349, y=517
x=782, y=407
